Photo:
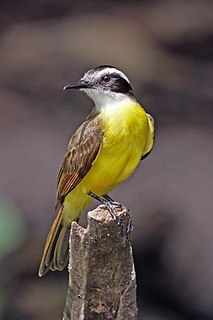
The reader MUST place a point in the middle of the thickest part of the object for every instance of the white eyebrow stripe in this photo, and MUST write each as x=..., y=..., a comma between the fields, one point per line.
x=113, y=70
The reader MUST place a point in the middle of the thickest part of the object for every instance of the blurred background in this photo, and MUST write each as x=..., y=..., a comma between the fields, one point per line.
x=166, y=49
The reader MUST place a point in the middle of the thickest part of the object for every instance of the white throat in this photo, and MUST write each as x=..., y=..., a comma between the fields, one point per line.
x=104, y=99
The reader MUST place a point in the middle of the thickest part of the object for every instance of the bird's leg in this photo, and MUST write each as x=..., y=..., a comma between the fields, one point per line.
x=96, y=197
x=108, y=201
x=130, y=225
x=108, y=198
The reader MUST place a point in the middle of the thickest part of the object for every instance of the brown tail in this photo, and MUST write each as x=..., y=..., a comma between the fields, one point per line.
x=55, y=255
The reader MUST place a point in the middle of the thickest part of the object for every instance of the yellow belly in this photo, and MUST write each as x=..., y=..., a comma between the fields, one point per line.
x=114, y=164
x=122, y=147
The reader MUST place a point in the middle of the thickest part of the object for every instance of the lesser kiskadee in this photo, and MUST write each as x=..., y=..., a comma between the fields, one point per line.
x=103, y=152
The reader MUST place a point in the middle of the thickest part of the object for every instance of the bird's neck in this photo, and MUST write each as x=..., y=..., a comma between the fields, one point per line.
x=104, y=100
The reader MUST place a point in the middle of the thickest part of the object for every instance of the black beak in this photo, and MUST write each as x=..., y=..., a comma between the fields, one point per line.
x=81, y=84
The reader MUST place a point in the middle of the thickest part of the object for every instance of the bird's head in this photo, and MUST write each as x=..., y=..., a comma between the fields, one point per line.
x=104, y=85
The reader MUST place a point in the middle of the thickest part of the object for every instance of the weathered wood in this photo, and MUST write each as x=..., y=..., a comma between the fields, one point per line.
x=102, y=282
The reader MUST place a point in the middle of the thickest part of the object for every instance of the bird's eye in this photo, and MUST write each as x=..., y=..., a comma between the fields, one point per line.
x=106, y=78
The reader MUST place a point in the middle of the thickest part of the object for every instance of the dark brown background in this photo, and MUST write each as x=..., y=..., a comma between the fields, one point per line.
x=166, y=49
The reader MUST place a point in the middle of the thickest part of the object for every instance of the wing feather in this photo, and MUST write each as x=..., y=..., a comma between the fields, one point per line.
x=150, y=138
x=82, y=150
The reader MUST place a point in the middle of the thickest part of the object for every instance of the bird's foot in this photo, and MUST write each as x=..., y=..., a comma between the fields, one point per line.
x=109, y=203
x=130, y=225
x=113, y=202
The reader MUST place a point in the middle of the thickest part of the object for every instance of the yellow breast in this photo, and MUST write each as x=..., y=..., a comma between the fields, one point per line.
x=125, y=128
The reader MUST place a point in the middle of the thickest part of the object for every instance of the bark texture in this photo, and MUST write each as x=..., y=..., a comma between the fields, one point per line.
x=102, y=280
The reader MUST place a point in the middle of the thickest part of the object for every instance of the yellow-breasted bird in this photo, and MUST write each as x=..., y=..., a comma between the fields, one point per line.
x=103, y=152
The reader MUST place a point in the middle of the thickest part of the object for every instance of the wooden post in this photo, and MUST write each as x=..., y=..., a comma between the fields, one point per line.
x=102, y=280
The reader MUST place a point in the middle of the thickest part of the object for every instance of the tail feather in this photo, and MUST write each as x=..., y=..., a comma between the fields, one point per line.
x=55, y=255
x=60, y=258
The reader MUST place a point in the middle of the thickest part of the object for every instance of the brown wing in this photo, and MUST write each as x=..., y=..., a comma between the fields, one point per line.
x=81, y=152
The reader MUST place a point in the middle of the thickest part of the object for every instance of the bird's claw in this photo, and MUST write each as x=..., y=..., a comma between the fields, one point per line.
x=110, y=203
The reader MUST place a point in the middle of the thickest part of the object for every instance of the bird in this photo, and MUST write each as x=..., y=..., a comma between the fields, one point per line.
x=102, y=153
